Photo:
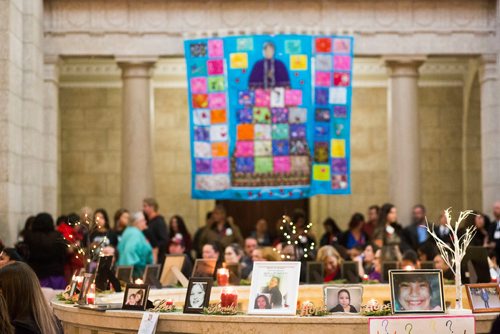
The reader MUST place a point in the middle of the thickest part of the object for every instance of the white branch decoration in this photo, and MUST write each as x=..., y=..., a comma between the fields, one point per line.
x=454, y=254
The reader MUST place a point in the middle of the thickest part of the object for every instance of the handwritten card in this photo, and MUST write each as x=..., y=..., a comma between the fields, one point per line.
x=422, y=324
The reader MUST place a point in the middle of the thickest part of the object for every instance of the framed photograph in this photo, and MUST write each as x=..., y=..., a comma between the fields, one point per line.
x=274, y=288
x=87, y=280
x=152, y=275
x=314, y=273
x=168, y=276
x=234, y=273
x=74, y=286
x=484, y=297
x=204, y=268
x=135, y=297
x=416, y=291
x=343, y=298
x=198, y=294
x=124, y=273
x=103, y=271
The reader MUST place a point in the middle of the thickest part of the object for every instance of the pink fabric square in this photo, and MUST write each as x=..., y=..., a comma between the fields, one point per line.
x=215, y=67
x=215, y=48
x=199, y=85
x=262, y=98
x=323, y=79
x=281, y=164
x=217, y=101
x=342, y=62
x=220, y=166
x=293, y=97
x=244, y=149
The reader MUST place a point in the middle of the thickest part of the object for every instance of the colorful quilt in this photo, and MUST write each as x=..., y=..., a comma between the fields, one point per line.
x=270, y=116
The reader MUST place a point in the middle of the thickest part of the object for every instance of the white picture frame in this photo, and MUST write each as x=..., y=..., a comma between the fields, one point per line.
x=274, y=289
x=353, y=292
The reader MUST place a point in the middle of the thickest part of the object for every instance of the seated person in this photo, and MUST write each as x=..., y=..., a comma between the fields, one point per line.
x=410, y=260
x=331, y=261
x=440, y=264
x=9, y=255
x=177, y=247
x=344, y=305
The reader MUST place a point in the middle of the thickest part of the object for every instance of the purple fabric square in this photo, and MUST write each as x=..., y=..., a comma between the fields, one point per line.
x=297, y=131
x=339, y=166
x=322, y=115
x=246, y=97
x=281, y=147
x=203, y=165
x=279, y=115
x=298, y=147
x=340, y=111
x=321, y=96
x=245, y=115
x=201, y=133
x=321, y=130
x=244, y=165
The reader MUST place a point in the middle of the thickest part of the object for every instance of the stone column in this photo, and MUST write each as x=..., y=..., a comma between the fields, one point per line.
x=52, y=162
x=403, y=135
x=137, y=178
x=490, y=130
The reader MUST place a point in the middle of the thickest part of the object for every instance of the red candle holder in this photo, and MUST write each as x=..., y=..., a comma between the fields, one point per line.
x=222, y=277
x=91, y=294
x=229, y=297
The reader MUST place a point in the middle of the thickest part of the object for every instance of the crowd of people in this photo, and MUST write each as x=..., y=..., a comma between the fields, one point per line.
x=52, y=251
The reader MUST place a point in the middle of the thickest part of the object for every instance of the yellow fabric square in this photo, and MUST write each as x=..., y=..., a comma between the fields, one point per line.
x=238, y=60
x=298, y=62
x=321, y=172
x=338, y=148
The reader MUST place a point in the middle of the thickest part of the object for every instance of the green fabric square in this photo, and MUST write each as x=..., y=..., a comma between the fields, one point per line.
x=244, y=44
x=263, y=164
x=292, y=46
x=216, y=84
x=280, y=131
x=261, y=115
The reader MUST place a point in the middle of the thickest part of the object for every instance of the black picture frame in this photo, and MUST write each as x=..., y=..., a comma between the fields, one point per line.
x=152, y=274
x=386, y=267
x=350, y=271
x=417, y=291
x=315, y=272
x=103, y=272
x=204, y=268
x=124, y=273
x=234, y=273
x=131, y=291
x=87, y=281
x=193, y=302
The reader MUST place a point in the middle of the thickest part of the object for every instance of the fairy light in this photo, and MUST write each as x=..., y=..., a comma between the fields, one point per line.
x=294, y=238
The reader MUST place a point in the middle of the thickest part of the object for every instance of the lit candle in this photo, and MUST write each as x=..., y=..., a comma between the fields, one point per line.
x=91, y=294
x=79, y=281
x=229, y=297
x=139, y=281
x=169, y=302
x=409, y=267
x=365, y=277
x=372, y=302
x=222, y=276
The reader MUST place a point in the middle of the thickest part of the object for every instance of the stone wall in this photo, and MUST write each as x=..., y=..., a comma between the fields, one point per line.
x=90, y=148
x=25, y=171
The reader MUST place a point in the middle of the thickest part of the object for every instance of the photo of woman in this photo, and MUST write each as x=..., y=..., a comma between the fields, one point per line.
x=135, y=297
x=197, y=295
x=262, y=303
x=272, y=288
x=344, y=302
x=343, y=299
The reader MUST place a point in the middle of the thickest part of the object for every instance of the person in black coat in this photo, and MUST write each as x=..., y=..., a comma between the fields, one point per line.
x=47, y=252
x=157, y=232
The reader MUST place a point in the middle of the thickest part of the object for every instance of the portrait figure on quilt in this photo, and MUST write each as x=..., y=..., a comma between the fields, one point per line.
x=269, y=72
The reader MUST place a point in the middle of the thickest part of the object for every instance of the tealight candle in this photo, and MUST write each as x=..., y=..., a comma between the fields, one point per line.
x=222, y=276
x=169, y=302
x=365, y=277
x=229, y=297
x=91, y=294
x=139, y=281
